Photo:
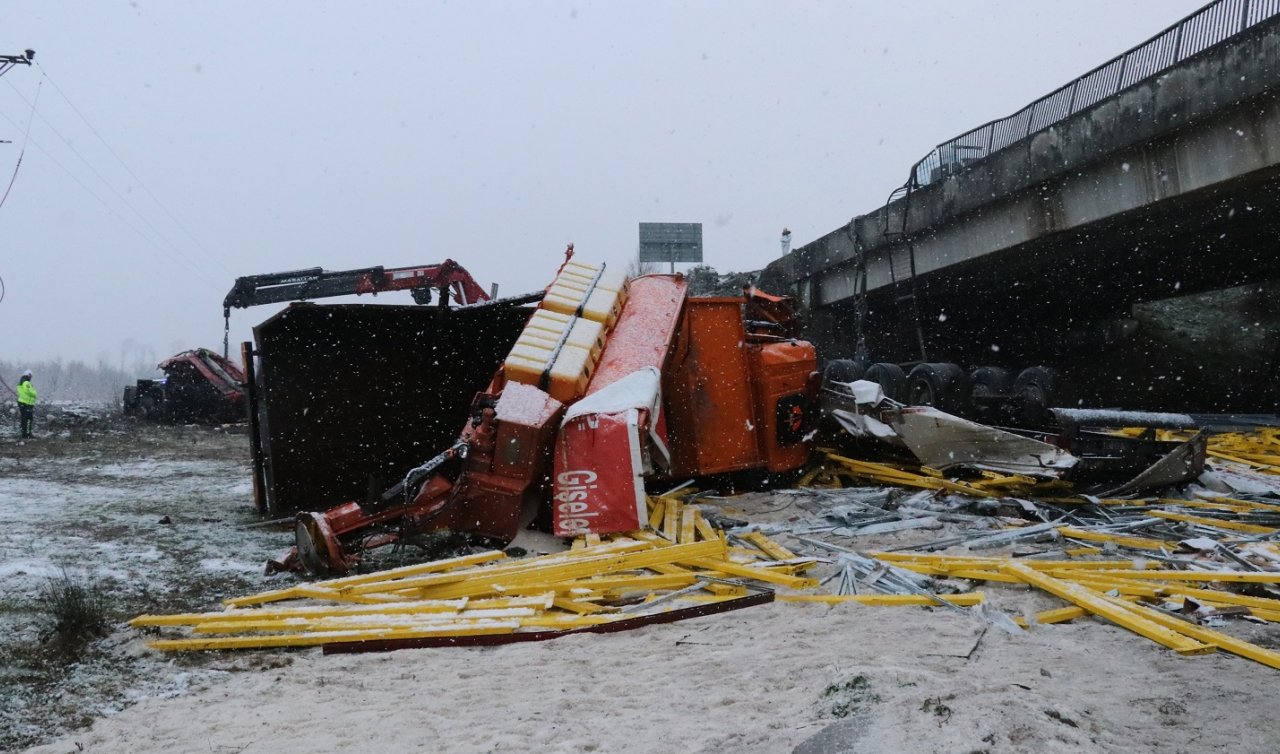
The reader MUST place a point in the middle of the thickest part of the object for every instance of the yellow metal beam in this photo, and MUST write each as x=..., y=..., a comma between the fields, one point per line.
x=688, y=524
x=1056, y=615
x=966, y=599
x=976, y=561
x=671, y=519
x=1247, y=577
x=484, y=583
x=576, y=606
x=332, y=637
x=976, y=574
x=657, y=511
x=759, y=574
x=359, y=622
x=768, y=546
x=1140, y=543
x=1099, y=604
x=1213, y=522
x=540, y=563
x=1207, y=636
x=1147, y=589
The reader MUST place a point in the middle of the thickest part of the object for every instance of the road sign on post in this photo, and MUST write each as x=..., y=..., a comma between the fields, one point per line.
x=671, y=243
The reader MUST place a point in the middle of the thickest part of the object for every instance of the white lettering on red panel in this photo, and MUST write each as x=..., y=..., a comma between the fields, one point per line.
x=571, y=501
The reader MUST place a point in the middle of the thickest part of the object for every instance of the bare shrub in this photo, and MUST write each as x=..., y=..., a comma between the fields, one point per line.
x=75, y=609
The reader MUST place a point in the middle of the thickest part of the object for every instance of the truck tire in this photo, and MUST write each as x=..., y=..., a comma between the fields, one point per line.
x=941, y=385
x=890, y=377
x=1035, y=391
x=129, y=406
x=991, y=382
x=148, y=409
x=843, y=370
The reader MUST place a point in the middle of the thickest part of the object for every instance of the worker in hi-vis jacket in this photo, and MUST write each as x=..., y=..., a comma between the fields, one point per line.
x=26, y=404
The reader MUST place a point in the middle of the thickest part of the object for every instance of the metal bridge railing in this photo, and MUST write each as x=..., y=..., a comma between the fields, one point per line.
x=1212, y=24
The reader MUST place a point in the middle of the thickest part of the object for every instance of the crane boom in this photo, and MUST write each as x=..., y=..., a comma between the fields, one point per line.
x=448, y=278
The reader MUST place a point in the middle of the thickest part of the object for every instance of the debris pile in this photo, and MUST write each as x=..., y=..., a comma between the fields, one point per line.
x=609, y=584
x=1174, y=567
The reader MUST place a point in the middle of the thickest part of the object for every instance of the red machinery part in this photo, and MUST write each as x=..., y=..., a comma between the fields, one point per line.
x=603, y=454
x=223, y=374
x=448, y=274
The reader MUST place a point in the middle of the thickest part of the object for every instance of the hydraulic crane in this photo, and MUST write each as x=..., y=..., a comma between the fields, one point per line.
x=448, y=278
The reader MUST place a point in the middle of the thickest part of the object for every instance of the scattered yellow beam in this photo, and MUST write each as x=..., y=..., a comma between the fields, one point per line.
x=332, y=637
x=1099, y=604
x=1057, y=615
x=966, y=599
x=1140, y=543
x=1213, y=522
x=1206, y=636
x=1246, y=577
x=768, y=546
x=766, y=575
x=688, y=524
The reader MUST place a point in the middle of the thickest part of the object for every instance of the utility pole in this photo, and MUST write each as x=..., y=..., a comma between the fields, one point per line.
x=9, y=61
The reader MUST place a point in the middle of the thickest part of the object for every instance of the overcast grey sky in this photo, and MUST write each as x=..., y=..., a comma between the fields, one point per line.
x=268, y=136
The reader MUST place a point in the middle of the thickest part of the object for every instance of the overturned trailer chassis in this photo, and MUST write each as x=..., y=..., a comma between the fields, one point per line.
x=344, y=398
x=1100, y=462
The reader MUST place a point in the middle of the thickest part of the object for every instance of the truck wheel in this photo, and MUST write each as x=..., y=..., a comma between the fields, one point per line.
x=1035, y=390
x=130, y=403
x=890, y=377
x=943, y=386
x=991, y=382
x=843, y=370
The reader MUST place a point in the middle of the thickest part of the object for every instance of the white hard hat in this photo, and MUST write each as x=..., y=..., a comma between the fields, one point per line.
x=27, y=373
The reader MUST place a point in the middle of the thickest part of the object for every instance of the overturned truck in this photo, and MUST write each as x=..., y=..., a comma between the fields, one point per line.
x=378, y=423
x=198, y=387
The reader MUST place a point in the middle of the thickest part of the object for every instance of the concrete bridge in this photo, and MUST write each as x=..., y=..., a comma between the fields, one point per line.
x=1156, y=175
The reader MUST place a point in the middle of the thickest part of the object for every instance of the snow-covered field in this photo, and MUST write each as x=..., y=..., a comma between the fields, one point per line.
x=152, y=518
x=774, y=678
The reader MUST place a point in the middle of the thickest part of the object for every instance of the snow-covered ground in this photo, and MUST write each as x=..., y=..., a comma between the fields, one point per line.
x=152, y=518
x=775, y=678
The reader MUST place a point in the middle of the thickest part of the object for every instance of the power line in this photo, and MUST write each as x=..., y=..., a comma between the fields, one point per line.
x=92, y=169
x=23, y=152
x=107, y=206
x=134, y=175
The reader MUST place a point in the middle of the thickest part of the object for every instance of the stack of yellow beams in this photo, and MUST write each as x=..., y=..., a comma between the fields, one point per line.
x=1259, y=449
x=489, y=593
x=1116, y=591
